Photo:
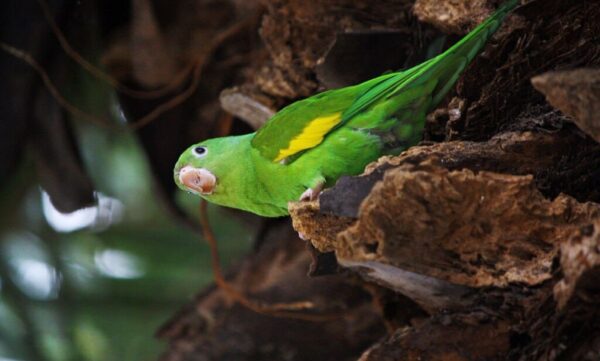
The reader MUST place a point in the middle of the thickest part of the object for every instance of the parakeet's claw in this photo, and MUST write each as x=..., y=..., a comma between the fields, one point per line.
x=312, y=193
x=307, y=195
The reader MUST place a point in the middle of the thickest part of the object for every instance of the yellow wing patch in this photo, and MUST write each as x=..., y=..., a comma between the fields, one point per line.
x=311, y=135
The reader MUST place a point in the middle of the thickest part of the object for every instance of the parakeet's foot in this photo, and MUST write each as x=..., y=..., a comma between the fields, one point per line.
x=312, y=193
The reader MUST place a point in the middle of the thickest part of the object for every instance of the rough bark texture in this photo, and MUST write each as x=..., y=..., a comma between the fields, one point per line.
x=577, y=94
x=453, y=16
x=580, y=261
x=484, y=229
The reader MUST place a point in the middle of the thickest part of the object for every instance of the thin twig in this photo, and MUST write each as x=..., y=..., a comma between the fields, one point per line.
x=62, y=101
x=101, y=75
x=198, y=67
x=154, y=114
x=285, y=310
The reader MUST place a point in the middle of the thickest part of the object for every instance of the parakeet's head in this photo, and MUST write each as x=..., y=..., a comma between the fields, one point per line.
x=203, y=167
x=198, y=168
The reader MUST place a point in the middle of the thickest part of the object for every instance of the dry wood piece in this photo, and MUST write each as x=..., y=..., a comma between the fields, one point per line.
x=250, y=106
x=435, y=225
x=433, y=230
x=512, y=153
x=482, y=229
x=320, y=228
x=577, y=94
x=453, y=16
x=580, y=263
x=449, y=228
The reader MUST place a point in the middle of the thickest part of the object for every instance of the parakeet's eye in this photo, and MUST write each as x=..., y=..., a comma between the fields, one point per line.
x=200, y=152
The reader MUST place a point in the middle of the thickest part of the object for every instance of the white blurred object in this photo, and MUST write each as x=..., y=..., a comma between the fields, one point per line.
x=30, y=269
x=37, y=279
x=115, y=263
x=108, y=211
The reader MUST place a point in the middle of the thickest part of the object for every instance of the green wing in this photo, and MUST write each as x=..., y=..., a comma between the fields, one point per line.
x=304, y=124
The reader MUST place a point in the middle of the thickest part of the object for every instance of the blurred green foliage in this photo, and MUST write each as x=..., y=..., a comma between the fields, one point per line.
x=100, y=295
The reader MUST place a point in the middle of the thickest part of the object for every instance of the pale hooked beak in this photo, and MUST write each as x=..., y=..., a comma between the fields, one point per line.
x=198, y=180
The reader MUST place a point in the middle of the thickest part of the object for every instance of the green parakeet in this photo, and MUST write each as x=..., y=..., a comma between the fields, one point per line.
x=309, y=144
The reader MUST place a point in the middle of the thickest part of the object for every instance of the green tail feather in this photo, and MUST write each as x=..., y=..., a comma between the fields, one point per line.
x=409, y=95
x=464, y=52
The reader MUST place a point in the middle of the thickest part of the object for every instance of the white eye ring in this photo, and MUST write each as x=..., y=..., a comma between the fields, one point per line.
x=200, y=151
